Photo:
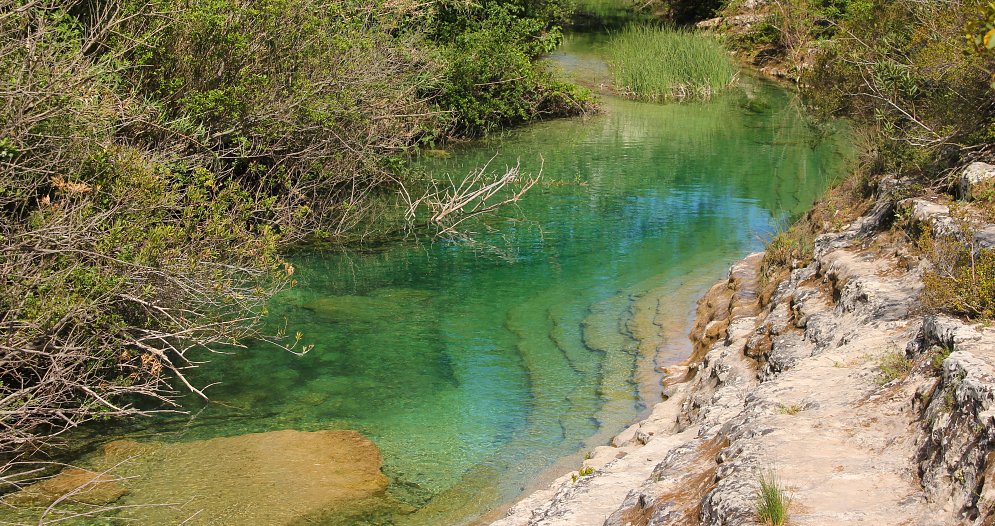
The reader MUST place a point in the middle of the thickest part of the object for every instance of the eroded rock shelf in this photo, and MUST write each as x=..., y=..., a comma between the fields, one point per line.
x=793, y=384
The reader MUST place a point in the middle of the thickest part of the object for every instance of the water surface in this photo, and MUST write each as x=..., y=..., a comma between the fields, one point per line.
x=476, y=366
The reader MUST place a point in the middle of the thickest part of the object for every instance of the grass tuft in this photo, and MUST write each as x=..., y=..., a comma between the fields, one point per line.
x=892, y=365
x=940, y=354
x=661, y=64
x=772, y=501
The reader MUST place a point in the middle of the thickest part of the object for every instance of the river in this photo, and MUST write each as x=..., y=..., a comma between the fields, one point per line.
x=480, y=368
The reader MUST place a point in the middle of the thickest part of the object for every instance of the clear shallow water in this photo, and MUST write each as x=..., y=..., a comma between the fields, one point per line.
x=474, y=367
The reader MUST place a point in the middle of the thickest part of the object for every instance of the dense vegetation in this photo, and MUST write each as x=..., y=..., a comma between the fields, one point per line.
x=916, y=77
x=919, y=72
x=659, y=63
x=908, y=71
x=158, y=156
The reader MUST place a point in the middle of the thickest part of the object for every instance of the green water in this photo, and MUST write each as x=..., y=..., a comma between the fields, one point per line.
x=476, y=366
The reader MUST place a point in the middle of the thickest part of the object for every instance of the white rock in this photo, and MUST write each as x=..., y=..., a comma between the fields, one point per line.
x=973, y=175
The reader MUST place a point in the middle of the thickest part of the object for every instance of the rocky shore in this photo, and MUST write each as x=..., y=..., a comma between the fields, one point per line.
x=795, y=380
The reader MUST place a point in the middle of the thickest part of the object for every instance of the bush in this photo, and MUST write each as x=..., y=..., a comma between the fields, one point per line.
x=960, y=279
x=788, y=249
x=117, y=266
x=904, y=67
x=981, y=32
x=272, y=95
x=655, y=63
x=901, y=67
x=492, y=76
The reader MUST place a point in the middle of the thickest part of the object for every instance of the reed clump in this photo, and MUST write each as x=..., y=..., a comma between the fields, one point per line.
x=667, y=64
x=772, y=501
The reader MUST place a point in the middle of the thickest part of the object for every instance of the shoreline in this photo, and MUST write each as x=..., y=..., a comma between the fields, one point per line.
x=794, y=385
x=675, y=348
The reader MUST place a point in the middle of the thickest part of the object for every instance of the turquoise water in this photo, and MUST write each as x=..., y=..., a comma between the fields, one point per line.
x=475, y=366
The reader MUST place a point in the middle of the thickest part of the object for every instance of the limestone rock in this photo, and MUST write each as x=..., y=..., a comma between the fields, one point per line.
x=791, y=385
x=711, y=23
x=957, y=415
x=744, y=21
x=971, y=177
x=936, y=215
x=734, y=23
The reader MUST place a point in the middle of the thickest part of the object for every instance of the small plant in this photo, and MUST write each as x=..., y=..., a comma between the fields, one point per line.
x=950, y=393
x=772, y=500
x=940, y=353
x=892, y=365
x=789, y=247
x=791, y=409
x=582, y=472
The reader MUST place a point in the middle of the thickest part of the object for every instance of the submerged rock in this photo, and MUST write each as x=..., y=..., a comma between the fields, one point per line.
x=73, y=485
x=353, y=309
x=279, y=477
x=797, y=387
x=442, y=154
x=384, y=305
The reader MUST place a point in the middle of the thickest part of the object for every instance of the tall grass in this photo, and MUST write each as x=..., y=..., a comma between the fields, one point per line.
x=659, y=64
x=771, y=500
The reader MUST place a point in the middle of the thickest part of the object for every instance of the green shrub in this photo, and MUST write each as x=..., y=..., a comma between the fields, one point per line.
x=299, y=100
x=771, y=500
x=905, y=68
x=492, y=76
x=120, y=260
x=785, y=249
x=981, y=32
x=582, y=472
x=892, y=365
x=961, y=277
x=658, y=63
